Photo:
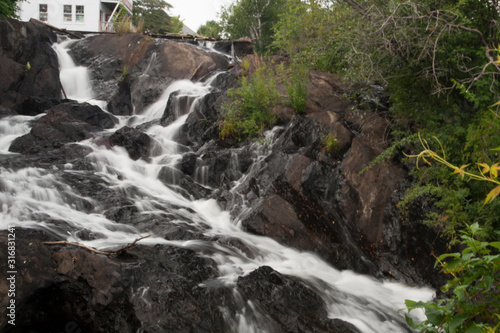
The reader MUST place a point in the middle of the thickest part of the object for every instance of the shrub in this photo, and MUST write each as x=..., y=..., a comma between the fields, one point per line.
x=472, y=301
x=297, y=86
x=330, y=144
x=248, y=112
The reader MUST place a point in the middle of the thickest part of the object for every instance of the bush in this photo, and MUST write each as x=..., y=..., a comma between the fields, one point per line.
x=297, y=87
x=472, y=301
x=330, y=144
x=249, y=110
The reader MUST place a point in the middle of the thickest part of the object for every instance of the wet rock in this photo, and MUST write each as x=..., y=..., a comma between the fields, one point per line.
x=241, y=47
x=137, y=143
x=199, y=122
x=188, y=164
x=23, y=43
x=27, y=105
x=151, y=288
x=151, y=65
x=287, y=303
x=304, y=135
x=64, y=123
x=121, y=103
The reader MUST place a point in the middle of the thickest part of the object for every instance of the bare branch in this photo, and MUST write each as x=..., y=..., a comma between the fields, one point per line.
x=107, y=253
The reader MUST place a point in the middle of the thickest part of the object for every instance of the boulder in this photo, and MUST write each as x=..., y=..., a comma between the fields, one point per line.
x=27, y=105
x=285, y=302
x=29, y=64
x=137, y=143
x=64, y=123
x=120, y=103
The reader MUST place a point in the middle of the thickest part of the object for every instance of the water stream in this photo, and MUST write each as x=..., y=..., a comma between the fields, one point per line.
x=39, y=198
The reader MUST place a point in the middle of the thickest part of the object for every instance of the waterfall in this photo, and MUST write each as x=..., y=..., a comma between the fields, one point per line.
x=39, y=198
x=75, y=80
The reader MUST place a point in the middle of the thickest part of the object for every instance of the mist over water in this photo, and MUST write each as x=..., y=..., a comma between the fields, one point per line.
x=39, y=198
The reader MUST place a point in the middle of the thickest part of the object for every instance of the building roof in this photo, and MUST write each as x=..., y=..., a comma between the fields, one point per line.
x=187, y=30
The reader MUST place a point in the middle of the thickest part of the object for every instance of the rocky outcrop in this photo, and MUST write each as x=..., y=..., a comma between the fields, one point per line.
x=64, y=123
x=152, y=288
x=29, y=64
x=137, y=143
x=288, y=303
x=150, y=66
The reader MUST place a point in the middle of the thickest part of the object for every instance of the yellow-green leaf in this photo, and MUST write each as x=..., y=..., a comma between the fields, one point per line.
x=461, y=170
x=494, y=170
x=486, y=168
x=492, y=195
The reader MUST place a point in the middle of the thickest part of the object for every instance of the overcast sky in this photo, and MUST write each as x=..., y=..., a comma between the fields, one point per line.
x=197, y=12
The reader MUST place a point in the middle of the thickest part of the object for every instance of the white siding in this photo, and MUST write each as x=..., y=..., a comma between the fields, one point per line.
x=56, y=13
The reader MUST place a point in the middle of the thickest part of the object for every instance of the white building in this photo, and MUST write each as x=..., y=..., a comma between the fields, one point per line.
x=75, y=15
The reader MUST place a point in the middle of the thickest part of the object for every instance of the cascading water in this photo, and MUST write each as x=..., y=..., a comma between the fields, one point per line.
x=39, y=198
x=74, y=79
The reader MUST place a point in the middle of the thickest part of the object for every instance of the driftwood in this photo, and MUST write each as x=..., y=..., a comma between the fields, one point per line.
x=108, y=253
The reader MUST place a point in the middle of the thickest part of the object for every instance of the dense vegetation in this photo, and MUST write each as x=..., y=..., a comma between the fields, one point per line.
x=150, y=15
x=210, y=29
x=9, y=8
x=439, y=62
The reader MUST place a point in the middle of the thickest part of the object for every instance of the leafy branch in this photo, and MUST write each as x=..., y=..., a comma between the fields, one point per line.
x=488, y=173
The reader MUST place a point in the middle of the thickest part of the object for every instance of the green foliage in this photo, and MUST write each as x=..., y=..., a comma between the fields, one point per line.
x=330, y=144
x=472, y=301
x=9, y=8
x=307, y=31
x=154, y=16
x=210, y=29
x=452, y=207
x=297, y=86
x=122, y=20
x=249, y=111
x=252, y=19
x=390, y=152
x=176, y=24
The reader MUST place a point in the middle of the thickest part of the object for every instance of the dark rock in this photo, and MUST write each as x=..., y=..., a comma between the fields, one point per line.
x=65, y=287
x=24, y=43
x=151, y=66
x=121, y=103
x=137, y=143
x=241, y=47
x=64, y=123
x=188, y=164
x=199, y=121
x=27, y=105
x=69, y=155
x=170, y=175
x=287, y=303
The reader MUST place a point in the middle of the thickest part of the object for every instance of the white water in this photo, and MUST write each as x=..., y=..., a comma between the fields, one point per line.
x=38, y=198
x=12, y=127
x=74, y=79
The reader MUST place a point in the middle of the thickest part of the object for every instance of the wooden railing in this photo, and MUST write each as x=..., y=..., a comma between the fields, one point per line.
x=106, y=27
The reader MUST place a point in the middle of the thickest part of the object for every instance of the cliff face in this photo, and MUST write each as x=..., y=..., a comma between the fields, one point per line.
x=287, y=189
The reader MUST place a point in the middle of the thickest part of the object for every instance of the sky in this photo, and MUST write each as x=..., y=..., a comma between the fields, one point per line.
x=197, y=12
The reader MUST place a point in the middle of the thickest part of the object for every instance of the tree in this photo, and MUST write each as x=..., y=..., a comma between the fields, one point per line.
x=176, y=24
x=9, y=8
x=210, y=29
x=153, y=14
x=253, y=19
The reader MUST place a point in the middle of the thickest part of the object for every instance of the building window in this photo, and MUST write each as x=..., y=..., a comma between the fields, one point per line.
x=80, y=12
x=68, y=15
x=43, y=13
